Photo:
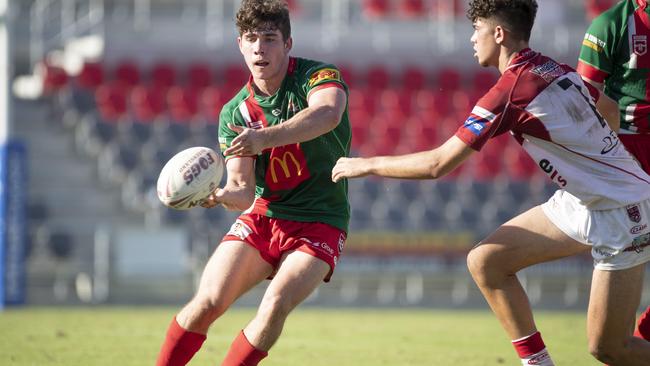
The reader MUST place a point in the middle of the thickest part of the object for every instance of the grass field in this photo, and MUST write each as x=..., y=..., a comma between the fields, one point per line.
x=314, y=337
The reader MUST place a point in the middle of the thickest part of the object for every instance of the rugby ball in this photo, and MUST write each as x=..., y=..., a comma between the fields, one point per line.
x=189, y=176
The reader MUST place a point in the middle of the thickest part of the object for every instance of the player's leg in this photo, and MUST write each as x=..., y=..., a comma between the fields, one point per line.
x=614, y=299
x=298, y=276
x=234, y=268
x=527, y=239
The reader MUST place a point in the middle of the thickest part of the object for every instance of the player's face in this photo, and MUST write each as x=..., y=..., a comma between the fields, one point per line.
x=265, y=52
x=486, y=49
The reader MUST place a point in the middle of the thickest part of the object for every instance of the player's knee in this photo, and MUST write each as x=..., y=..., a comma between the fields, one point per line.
x=275, y=308
x=485, y=267
x=209, y=307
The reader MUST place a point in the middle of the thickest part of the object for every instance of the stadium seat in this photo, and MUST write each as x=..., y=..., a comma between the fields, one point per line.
x=375, y=9
x=448, y=79
x=211, y=101
x=348, y=75
x=412, y=8
x=594, y=8
x=235, y=76
x=91, y=76
x=147, y=102
x=60, y=244
x=115, y=162
x=163, y=75
x=182, y=103
x=54, y=78
x=111, y=101
x=199, y=76
x=128, y=73
x=92, y=134
x=483, y=80
x=447, y=8
x=413, y=78
x=378, y=78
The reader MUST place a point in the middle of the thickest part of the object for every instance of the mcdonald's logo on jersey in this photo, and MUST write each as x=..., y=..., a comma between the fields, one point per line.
x=287, y=168
x=324, y=74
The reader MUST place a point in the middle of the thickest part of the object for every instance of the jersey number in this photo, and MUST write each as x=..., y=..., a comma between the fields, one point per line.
x=610, y=141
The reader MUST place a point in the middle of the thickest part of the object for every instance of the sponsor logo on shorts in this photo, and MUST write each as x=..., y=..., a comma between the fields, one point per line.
x=633, y=213
x=240, y=230
x=321, y=246
x=639, y=243
x=637, y=229
x=604, y=252
x=341, y=242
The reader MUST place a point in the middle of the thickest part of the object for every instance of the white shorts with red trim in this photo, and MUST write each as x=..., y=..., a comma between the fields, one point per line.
x=620, y=238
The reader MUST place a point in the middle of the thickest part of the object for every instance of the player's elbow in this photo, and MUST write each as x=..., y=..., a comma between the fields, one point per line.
x=436, y=170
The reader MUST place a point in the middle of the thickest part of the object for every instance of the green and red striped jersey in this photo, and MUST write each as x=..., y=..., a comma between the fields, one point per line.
x=293, y=182
x=615, y=52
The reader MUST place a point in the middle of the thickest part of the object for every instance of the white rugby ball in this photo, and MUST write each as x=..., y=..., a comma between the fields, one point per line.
x=189, y=176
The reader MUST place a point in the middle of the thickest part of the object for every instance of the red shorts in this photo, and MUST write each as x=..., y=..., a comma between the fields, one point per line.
x=273, y=237
x=639, y=146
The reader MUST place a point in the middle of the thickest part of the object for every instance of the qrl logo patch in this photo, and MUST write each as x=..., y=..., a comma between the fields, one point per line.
x=640, y=44
x=322, y=75
x=633, y=213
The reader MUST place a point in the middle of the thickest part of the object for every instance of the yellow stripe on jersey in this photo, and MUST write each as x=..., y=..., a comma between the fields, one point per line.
x=324, y=74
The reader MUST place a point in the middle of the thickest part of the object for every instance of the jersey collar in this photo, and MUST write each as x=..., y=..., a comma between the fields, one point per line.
x=521, y=56
x=642, y=4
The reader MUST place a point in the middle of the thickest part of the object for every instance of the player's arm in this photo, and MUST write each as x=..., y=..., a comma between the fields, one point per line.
x=325, y=109
x=430, y=164
x=608, y=108
x=238, y=193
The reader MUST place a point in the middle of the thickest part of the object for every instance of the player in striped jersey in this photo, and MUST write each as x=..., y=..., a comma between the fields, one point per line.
x=281, y=135
x=614, y=57
x=603, y=200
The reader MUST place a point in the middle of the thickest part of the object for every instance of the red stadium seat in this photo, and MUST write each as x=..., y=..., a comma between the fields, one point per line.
x=236, y=75
x=375, y=9
x=448, y=79
x=413, y=78
x=147, y=102
x=518, y=164
x=348, y=75
x=483, y=80
x=91, y=76
x=111, y=100
x=594, y=8
x=447, y=8
x=211, y=101
x=199, y=75
x=54, y=78
x=377, y=78
x=412, y=8
x=182, y=103
x=163, y=75
x=128, y=73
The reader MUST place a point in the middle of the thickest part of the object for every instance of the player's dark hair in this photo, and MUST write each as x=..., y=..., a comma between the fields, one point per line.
x=257, y=14
x=517, y=16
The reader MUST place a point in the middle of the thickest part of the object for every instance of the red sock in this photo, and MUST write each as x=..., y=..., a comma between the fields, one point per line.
x=532, y=350
x=180, y=346
x=643, y=326
x=242, y=353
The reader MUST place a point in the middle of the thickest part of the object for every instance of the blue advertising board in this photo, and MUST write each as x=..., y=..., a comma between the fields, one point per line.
x=13, y=226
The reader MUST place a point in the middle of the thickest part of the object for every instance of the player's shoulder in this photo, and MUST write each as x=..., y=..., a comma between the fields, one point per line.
x=232, y=106
x=617, y=14
x=314, y=71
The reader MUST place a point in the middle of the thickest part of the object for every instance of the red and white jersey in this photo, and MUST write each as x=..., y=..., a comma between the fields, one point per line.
x=551, y=113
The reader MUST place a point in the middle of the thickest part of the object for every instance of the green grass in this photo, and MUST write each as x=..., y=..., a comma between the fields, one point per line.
x=314, y=337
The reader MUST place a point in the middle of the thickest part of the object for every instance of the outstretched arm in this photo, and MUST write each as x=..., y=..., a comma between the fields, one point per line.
x=323, y=114
x=430, y=164
x=239, y=191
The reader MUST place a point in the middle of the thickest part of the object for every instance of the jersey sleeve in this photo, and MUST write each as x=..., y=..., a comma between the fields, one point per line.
x=226, y=135
x=321, y=77
x=487, y=118
x=596, y=53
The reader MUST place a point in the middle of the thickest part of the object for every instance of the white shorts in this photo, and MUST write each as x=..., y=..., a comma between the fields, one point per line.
x=620, y=238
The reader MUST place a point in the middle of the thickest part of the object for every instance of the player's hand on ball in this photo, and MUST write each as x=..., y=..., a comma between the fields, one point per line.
x=350, y=168
x=213, y=199
x=248, y=142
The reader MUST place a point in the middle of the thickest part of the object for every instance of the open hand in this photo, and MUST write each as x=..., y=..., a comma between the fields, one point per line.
x=248, y=142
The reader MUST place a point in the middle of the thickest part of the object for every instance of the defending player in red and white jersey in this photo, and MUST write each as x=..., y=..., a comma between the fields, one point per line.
x=603, y=200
